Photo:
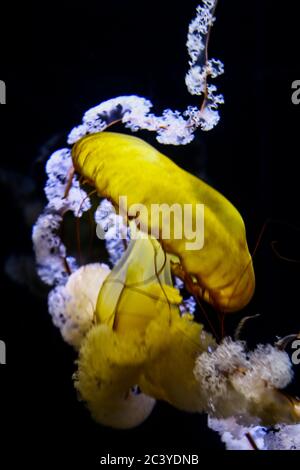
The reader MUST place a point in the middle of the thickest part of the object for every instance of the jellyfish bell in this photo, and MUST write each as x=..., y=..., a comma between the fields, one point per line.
x=121, y=165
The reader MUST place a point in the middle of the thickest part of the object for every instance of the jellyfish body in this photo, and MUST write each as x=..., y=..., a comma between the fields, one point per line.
x=140, y=339
x=121, y=165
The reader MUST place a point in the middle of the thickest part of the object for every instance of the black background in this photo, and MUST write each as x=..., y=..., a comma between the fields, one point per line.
x=60, y=59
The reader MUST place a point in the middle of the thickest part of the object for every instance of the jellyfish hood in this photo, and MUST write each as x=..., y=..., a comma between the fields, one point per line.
x=121, y=165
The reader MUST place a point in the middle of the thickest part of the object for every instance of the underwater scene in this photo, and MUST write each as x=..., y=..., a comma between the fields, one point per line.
x=150, y=259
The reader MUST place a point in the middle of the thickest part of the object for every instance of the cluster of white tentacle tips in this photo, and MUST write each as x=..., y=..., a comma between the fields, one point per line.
x=172, y=127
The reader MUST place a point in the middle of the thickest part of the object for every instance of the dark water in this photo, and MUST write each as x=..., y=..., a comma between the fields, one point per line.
x=57, y=61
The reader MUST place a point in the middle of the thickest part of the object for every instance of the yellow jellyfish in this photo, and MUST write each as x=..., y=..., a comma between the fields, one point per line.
x=140, y=340
x=119, y=165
